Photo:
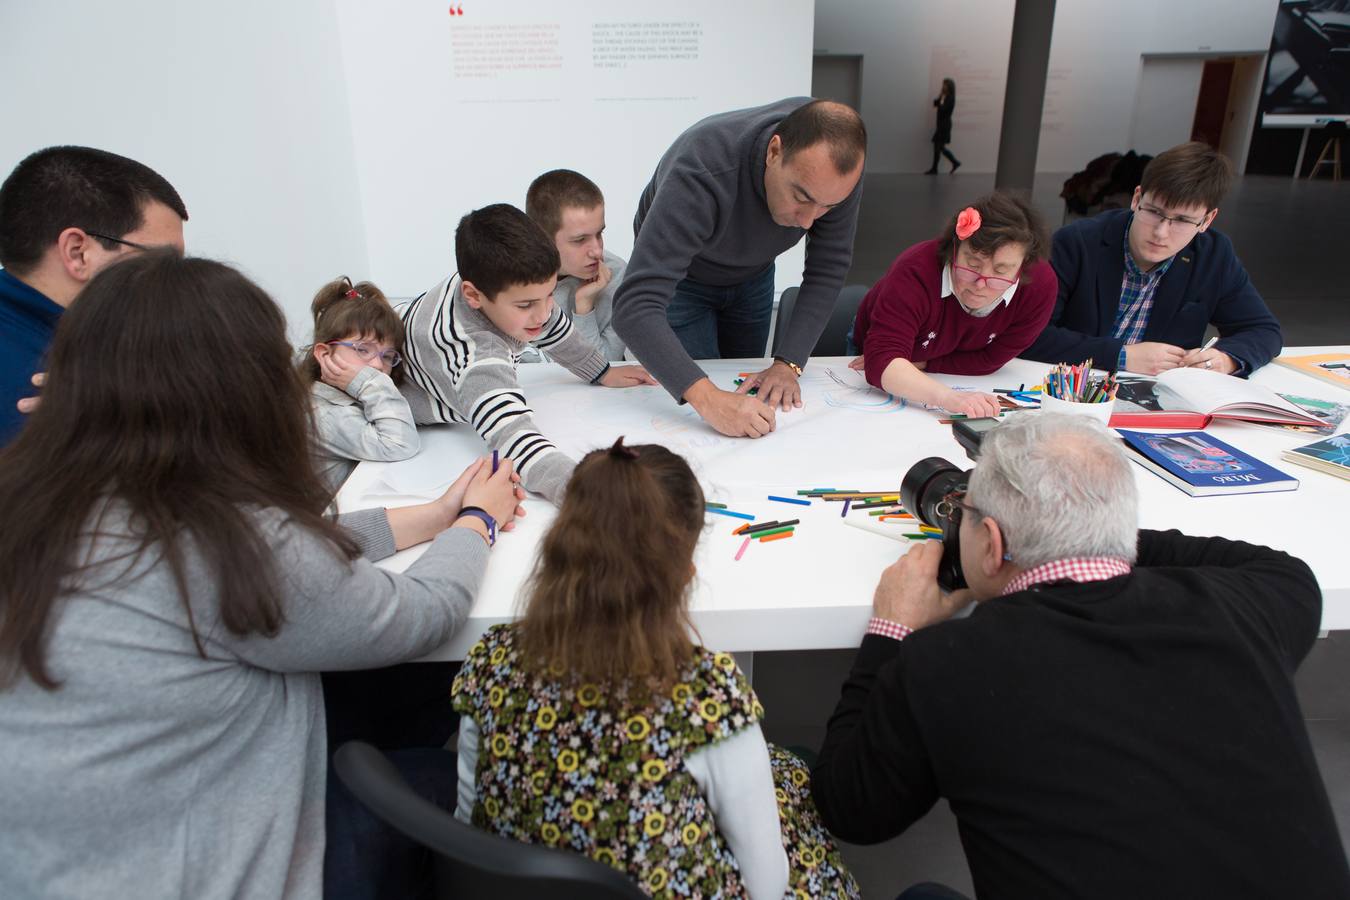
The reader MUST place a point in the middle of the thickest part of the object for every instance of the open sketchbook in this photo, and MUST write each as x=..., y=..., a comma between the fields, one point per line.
x=1192, y=398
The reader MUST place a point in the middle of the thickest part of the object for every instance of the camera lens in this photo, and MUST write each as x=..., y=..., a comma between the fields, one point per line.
x=921, y=491
x=924, y=486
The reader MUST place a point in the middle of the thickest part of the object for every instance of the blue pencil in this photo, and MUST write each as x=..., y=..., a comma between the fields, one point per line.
x=790, y=500
x=727, y=512
x=847, y=504
x=494, y=462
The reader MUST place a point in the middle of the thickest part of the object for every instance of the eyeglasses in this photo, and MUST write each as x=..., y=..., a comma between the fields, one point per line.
x=953, y=505
x=970, y=276
x=367, y=351
x=1153, y=217
x=108, y=237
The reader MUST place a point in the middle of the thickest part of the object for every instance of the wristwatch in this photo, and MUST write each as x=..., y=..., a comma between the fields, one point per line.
x=796, y=369
x=479, y=513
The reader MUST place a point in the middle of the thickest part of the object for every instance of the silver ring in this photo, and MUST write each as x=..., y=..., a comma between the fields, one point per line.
x=1209, y=364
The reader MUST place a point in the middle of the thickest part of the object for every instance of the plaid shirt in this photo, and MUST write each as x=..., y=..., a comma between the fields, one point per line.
x=1136, y=298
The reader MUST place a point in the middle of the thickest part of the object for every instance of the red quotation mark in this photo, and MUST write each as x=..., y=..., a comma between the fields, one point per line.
x=456, y=10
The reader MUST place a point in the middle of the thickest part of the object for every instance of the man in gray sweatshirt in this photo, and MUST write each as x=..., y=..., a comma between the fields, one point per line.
x=730, y=194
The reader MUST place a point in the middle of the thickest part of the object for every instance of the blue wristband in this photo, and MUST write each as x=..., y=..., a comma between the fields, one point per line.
x=479, y=513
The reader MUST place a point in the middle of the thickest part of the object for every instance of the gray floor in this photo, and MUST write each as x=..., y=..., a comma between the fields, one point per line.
x=1290, y=235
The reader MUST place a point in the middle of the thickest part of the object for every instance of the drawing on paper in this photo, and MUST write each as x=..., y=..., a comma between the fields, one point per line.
x=853, y=392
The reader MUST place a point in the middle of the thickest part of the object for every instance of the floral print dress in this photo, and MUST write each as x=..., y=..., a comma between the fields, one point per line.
x=565, y=765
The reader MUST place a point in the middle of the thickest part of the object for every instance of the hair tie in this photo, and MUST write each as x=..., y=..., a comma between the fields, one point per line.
x=619, y=451
x=967, y=223
x=352, y=295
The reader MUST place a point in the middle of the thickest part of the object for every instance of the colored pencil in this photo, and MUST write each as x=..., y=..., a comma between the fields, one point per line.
x=847, y=504
x=764, y=526
x=876, y=529
x=494, y=462
x=727, y=512
x=810, y=491
x=904, y=519
x=768, y=531
x=741, y=552
x=790, y=500
x=715, y=505
x=891, y=511
x=777, y=536
x=918, y=537
x=930, y=528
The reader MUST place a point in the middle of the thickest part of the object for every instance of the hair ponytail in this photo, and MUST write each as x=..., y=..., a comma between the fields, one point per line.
x=608, y=598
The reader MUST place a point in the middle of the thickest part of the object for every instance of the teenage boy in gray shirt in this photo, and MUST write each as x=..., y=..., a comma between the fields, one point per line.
x=730, y=194
x=464, y=338
x=571, y=210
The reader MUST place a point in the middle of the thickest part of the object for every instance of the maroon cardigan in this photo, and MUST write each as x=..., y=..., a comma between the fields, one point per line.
x=903, y=316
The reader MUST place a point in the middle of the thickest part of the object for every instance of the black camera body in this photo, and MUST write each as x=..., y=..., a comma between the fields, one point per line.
x=923, y=492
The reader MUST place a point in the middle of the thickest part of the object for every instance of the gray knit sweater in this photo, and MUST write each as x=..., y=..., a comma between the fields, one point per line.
x=704, y=216
x=462, y=369
x=156, y=772
x=596, y=326
x=369, y=420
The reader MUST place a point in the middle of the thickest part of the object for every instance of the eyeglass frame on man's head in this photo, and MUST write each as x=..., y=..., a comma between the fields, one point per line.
x=1151, y=212
x=108, y=237
x=391, y=357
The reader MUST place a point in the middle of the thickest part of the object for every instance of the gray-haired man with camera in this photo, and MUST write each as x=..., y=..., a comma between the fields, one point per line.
x=1117, y=716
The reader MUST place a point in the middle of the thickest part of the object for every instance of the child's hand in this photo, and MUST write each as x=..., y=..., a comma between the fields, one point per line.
x=499, y=494
x=336, y=371
x=590, y=291
x=626, y=376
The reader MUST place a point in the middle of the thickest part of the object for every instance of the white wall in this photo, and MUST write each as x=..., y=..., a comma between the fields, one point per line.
x=1092, y=81
x=314, y=138
x=242, y=109
x=1164, y=105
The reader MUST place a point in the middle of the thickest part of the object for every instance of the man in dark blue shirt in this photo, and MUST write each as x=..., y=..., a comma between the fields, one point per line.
x=66, y=213
x=1138, y=287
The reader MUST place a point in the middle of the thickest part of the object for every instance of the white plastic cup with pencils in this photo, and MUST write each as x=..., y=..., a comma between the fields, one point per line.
x=1078, y=391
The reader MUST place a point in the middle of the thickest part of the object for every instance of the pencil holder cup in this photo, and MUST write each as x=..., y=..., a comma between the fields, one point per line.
x=1099, y=411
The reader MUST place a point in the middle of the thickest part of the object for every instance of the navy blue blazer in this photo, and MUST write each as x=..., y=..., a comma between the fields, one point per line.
x=1205, y=284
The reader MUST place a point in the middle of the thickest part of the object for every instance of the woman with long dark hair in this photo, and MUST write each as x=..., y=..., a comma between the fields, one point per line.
x=172, y=585
x=945, y=103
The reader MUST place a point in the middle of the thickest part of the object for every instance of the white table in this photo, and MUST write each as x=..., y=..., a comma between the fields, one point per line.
x=814, y=590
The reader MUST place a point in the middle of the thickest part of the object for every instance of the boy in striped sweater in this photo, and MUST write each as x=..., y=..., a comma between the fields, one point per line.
x=465, y=336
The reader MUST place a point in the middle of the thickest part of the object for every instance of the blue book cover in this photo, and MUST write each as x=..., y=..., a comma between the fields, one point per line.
x=1331, y=455
x=1202, y=465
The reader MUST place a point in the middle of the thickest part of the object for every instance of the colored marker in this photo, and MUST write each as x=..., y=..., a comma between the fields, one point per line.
x=494, y=462
x=727, y=512
x=741, y=552
x=761, y=535
x=777, y=537
x=764, y=526
x=876, y=529
x=847, y=504
x=790, y=500
x=715, y=505
x=810, y=491
x=929, y=529
x=918, y=537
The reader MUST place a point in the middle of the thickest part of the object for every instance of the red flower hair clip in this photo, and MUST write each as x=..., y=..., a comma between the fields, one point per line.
x=352, y=294
x=967, y=223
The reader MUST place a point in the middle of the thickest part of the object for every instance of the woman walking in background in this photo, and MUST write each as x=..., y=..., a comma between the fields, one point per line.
x=945, y=103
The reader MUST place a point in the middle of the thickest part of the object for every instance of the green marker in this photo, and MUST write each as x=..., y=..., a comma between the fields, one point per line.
x=759, y=534
x=715, y=505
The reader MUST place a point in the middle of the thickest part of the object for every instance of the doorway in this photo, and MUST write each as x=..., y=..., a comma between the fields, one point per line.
x=837, y=76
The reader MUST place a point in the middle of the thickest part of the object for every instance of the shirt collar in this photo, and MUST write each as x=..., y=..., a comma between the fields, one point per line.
x=36, y=303
x=1075, y=568
x=1132, y=268
x=1004, y=298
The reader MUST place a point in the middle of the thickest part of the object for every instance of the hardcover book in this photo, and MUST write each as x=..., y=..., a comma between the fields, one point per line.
x=1202, y=465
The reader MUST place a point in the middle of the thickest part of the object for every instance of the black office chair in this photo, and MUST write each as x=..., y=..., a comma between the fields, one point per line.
x=831, y=341
x=470, y=863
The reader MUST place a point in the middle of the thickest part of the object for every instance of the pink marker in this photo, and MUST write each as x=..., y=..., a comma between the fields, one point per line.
x=741, y=552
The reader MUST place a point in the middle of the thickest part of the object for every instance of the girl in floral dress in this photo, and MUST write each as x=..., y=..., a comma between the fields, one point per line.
x=595, y=724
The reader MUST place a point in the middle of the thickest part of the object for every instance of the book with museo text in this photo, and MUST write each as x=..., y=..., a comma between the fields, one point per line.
x=1202, y=465
x=1192, y=398
x=1331, y=455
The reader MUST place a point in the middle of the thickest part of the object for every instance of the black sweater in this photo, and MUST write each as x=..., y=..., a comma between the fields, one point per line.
x=1137, y=737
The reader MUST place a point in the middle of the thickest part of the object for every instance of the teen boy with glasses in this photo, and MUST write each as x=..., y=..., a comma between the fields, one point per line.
x=1138, y=287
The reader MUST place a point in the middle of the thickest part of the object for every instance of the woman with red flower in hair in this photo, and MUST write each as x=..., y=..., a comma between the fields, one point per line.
x=962, y=304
